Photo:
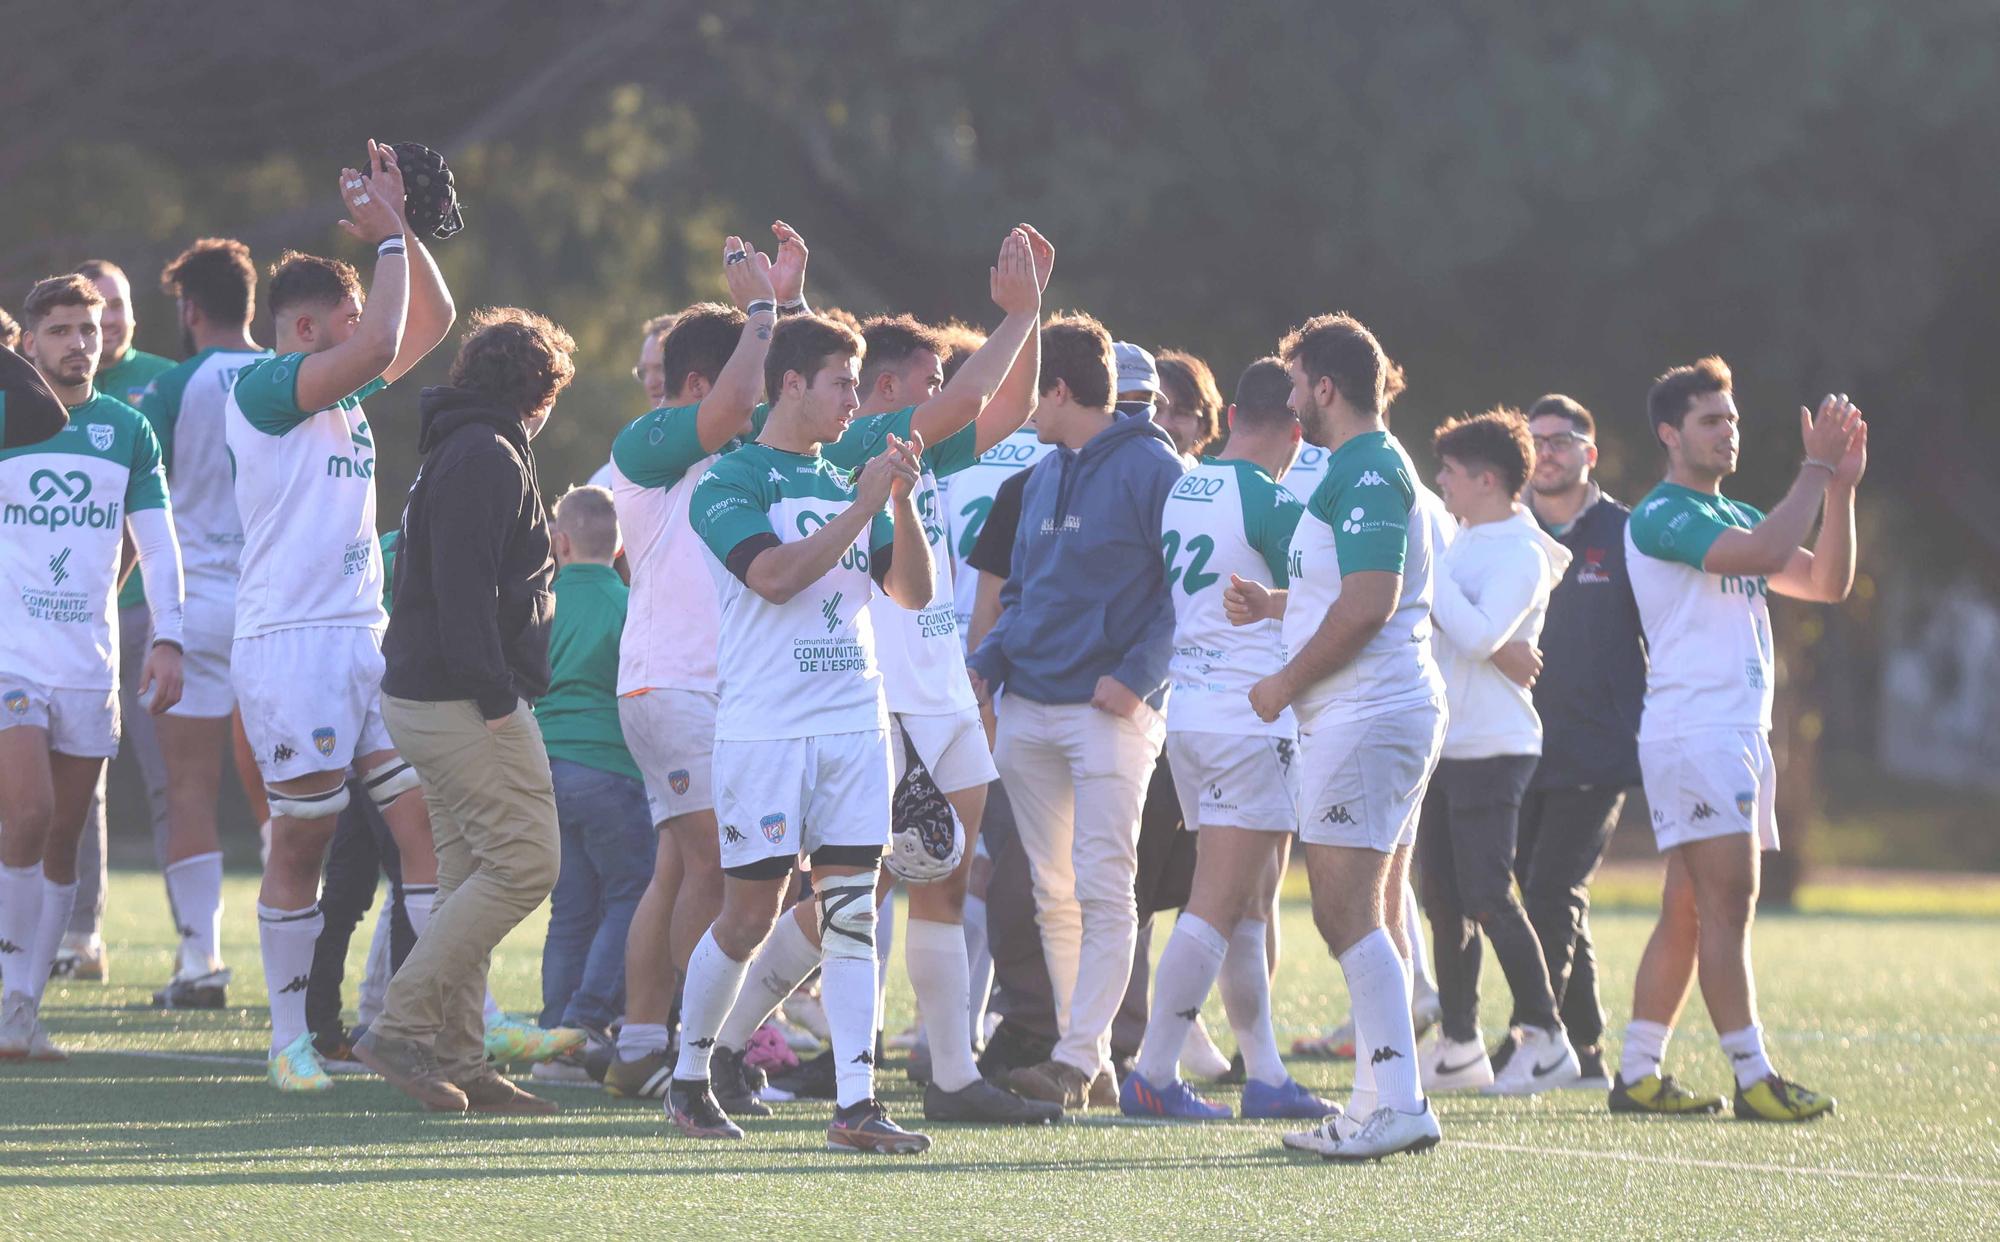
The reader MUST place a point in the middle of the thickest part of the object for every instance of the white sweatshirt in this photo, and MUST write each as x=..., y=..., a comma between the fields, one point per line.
x=1492, y=588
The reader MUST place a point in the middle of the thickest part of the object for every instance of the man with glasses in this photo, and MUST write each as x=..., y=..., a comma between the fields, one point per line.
x=1588, y=695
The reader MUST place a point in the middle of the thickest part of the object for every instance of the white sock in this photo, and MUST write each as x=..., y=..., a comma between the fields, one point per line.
x=1746, y=1055
x=1187, y=970
x=286, y=938
x=885, y=944
x=978, y=964
x=1381, y=993
x=713, y=980
x=637, y=1039
x=1421, y=982
x=935, y=956
x=1246, y=998
x=375, y=977
x=194, y=885
x=57, y=902
x=847, y=989
x=1644, y=1049
x=20, y=922
x=787, y=957
x=417, y=902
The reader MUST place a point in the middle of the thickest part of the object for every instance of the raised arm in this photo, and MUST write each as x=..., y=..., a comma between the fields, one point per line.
x=1016, y=291
x=1826, y=574
x=910, y=577
x=725, y=410
x=375, y=207
x=1770, y=548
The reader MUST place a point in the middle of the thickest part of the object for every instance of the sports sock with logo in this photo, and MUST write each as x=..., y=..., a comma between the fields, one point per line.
x=194, y=887
x=286, y=938
x=1747, y=1056
x=978, y=963
x=935, y=956
x=638, y=1039
x=1381, y=995
x=57, y=902
x=1246, y=997
x=713, y=980
x=788, y=956
x=1187, y=970
x=20, y=920
x=847, y=989
x=1644, y=1049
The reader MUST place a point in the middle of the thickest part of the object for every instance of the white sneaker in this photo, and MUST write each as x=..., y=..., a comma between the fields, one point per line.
x=1446, y=1064
x=22, y=1037
x=1325, y=1136
x=1426, y=1011
x=1389, y=1133
x=1542, y=1061
x=1200, y=1058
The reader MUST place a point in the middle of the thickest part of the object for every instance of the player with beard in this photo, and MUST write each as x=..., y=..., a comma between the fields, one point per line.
x=124, y=371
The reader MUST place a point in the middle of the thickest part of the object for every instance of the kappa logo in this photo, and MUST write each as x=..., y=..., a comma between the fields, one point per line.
x=730, y=836
x=775, y=477
x=704, y=1043
x=866, y=1058
x=678, y=778
x=1702, y=810
x=323, y=739
x=8, y=946
x=1352, y=522
x=773, y=828
x=1189, y=1015
x=17, y=702
x=101, y=436
x=297, y=985
x=1336, y=815
x=1383, y=1055
x=282, y=752
x=1370, y=478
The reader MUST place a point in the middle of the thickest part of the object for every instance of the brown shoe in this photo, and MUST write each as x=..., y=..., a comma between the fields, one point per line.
x=1053, y=1082
x=1104, y=1090
x=411, y=1068
x=488, y=1092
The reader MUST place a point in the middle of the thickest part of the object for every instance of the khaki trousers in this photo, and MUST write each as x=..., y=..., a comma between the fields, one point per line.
x=493, y=821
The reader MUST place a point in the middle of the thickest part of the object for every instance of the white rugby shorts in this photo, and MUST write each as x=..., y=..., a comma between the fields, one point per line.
x=671, y=734
x=83, y=723
x=207, y=636
x=1711, y=784
x=790, y=796
x=953, y=749
x=1362, y=782
x=311, y=698
x=1234, y=780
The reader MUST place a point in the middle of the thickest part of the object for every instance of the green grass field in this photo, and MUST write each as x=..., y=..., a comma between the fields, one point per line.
x=163, y=1126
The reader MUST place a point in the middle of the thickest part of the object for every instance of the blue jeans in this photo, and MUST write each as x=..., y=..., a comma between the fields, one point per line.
x=608, y=842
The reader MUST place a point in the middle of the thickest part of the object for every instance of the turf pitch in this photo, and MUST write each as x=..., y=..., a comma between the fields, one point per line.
x=162, y=1125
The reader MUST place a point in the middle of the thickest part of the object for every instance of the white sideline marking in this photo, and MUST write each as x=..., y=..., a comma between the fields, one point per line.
x=1691, y=1162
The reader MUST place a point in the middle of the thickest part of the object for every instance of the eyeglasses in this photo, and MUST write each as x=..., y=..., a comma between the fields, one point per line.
x=1561, y=440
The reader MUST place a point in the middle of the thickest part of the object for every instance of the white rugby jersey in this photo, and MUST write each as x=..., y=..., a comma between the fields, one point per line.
x=63, y=507
x=968, y=497
x=1224, y=517
x=305, y=491
x=921, y=653
x=1708, y=635
x=669, y=638
x=1365, y=515
x=806, y=667
x=185, y=404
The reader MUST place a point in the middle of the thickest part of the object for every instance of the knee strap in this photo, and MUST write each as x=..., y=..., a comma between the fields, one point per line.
x=390, y=781
x=308, y=806
x=847, y=917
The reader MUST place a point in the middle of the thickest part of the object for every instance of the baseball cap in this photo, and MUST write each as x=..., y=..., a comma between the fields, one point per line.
x=1136, y=370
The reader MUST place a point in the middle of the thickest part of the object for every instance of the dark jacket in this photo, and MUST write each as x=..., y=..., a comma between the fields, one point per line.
x=473, y=568
x=1088, y=596
x=1593, y=681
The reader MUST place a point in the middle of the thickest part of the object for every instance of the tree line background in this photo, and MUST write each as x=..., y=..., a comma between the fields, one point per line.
x=1515, y=204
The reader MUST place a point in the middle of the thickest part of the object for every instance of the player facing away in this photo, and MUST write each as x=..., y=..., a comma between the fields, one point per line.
x=215, y=286
x=666, y=656
x=1702, y=567
x=1229, y=521
x=307, y=659
x=802, y=763
x=1370, y=705
x=942, y=764
x=65, y=504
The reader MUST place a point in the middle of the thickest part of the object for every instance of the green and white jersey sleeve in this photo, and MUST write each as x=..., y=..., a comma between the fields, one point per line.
x=63, y=504
x=127, y=379
x=1224, y=517
x=185, y=405
x=968, y=497
x=805, y=667
x=305, y=492
x=1364, y=516
x=1708, y=636
x=670, y=620
x=922, y=654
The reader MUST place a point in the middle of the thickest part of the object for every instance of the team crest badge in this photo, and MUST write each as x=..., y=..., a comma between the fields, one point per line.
x=1746, y=804
x=323, y=741
x=774, y=828
x=17, y=702
x=678, y=778
x=101, y=435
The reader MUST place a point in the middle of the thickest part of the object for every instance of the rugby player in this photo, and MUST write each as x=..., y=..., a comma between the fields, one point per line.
x=215, y=286
x=66, y=502
x=307, y=659
x=802, y=759
x=124, y=371
x=1370, y=706
x=1702, y=566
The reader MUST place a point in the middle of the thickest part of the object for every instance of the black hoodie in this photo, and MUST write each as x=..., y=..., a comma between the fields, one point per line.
x=472, y=565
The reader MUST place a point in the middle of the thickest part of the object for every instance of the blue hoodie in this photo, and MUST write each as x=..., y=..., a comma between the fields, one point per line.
x=1088, y=593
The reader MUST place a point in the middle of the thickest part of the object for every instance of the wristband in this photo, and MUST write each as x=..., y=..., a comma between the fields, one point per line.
x=761, y=306
x=392, y=244
x=1829, y=467
x=797, y=306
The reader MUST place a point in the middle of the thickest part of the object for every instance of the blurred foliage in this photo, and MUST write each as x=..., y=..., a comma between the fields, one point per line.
x=1515, y=201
